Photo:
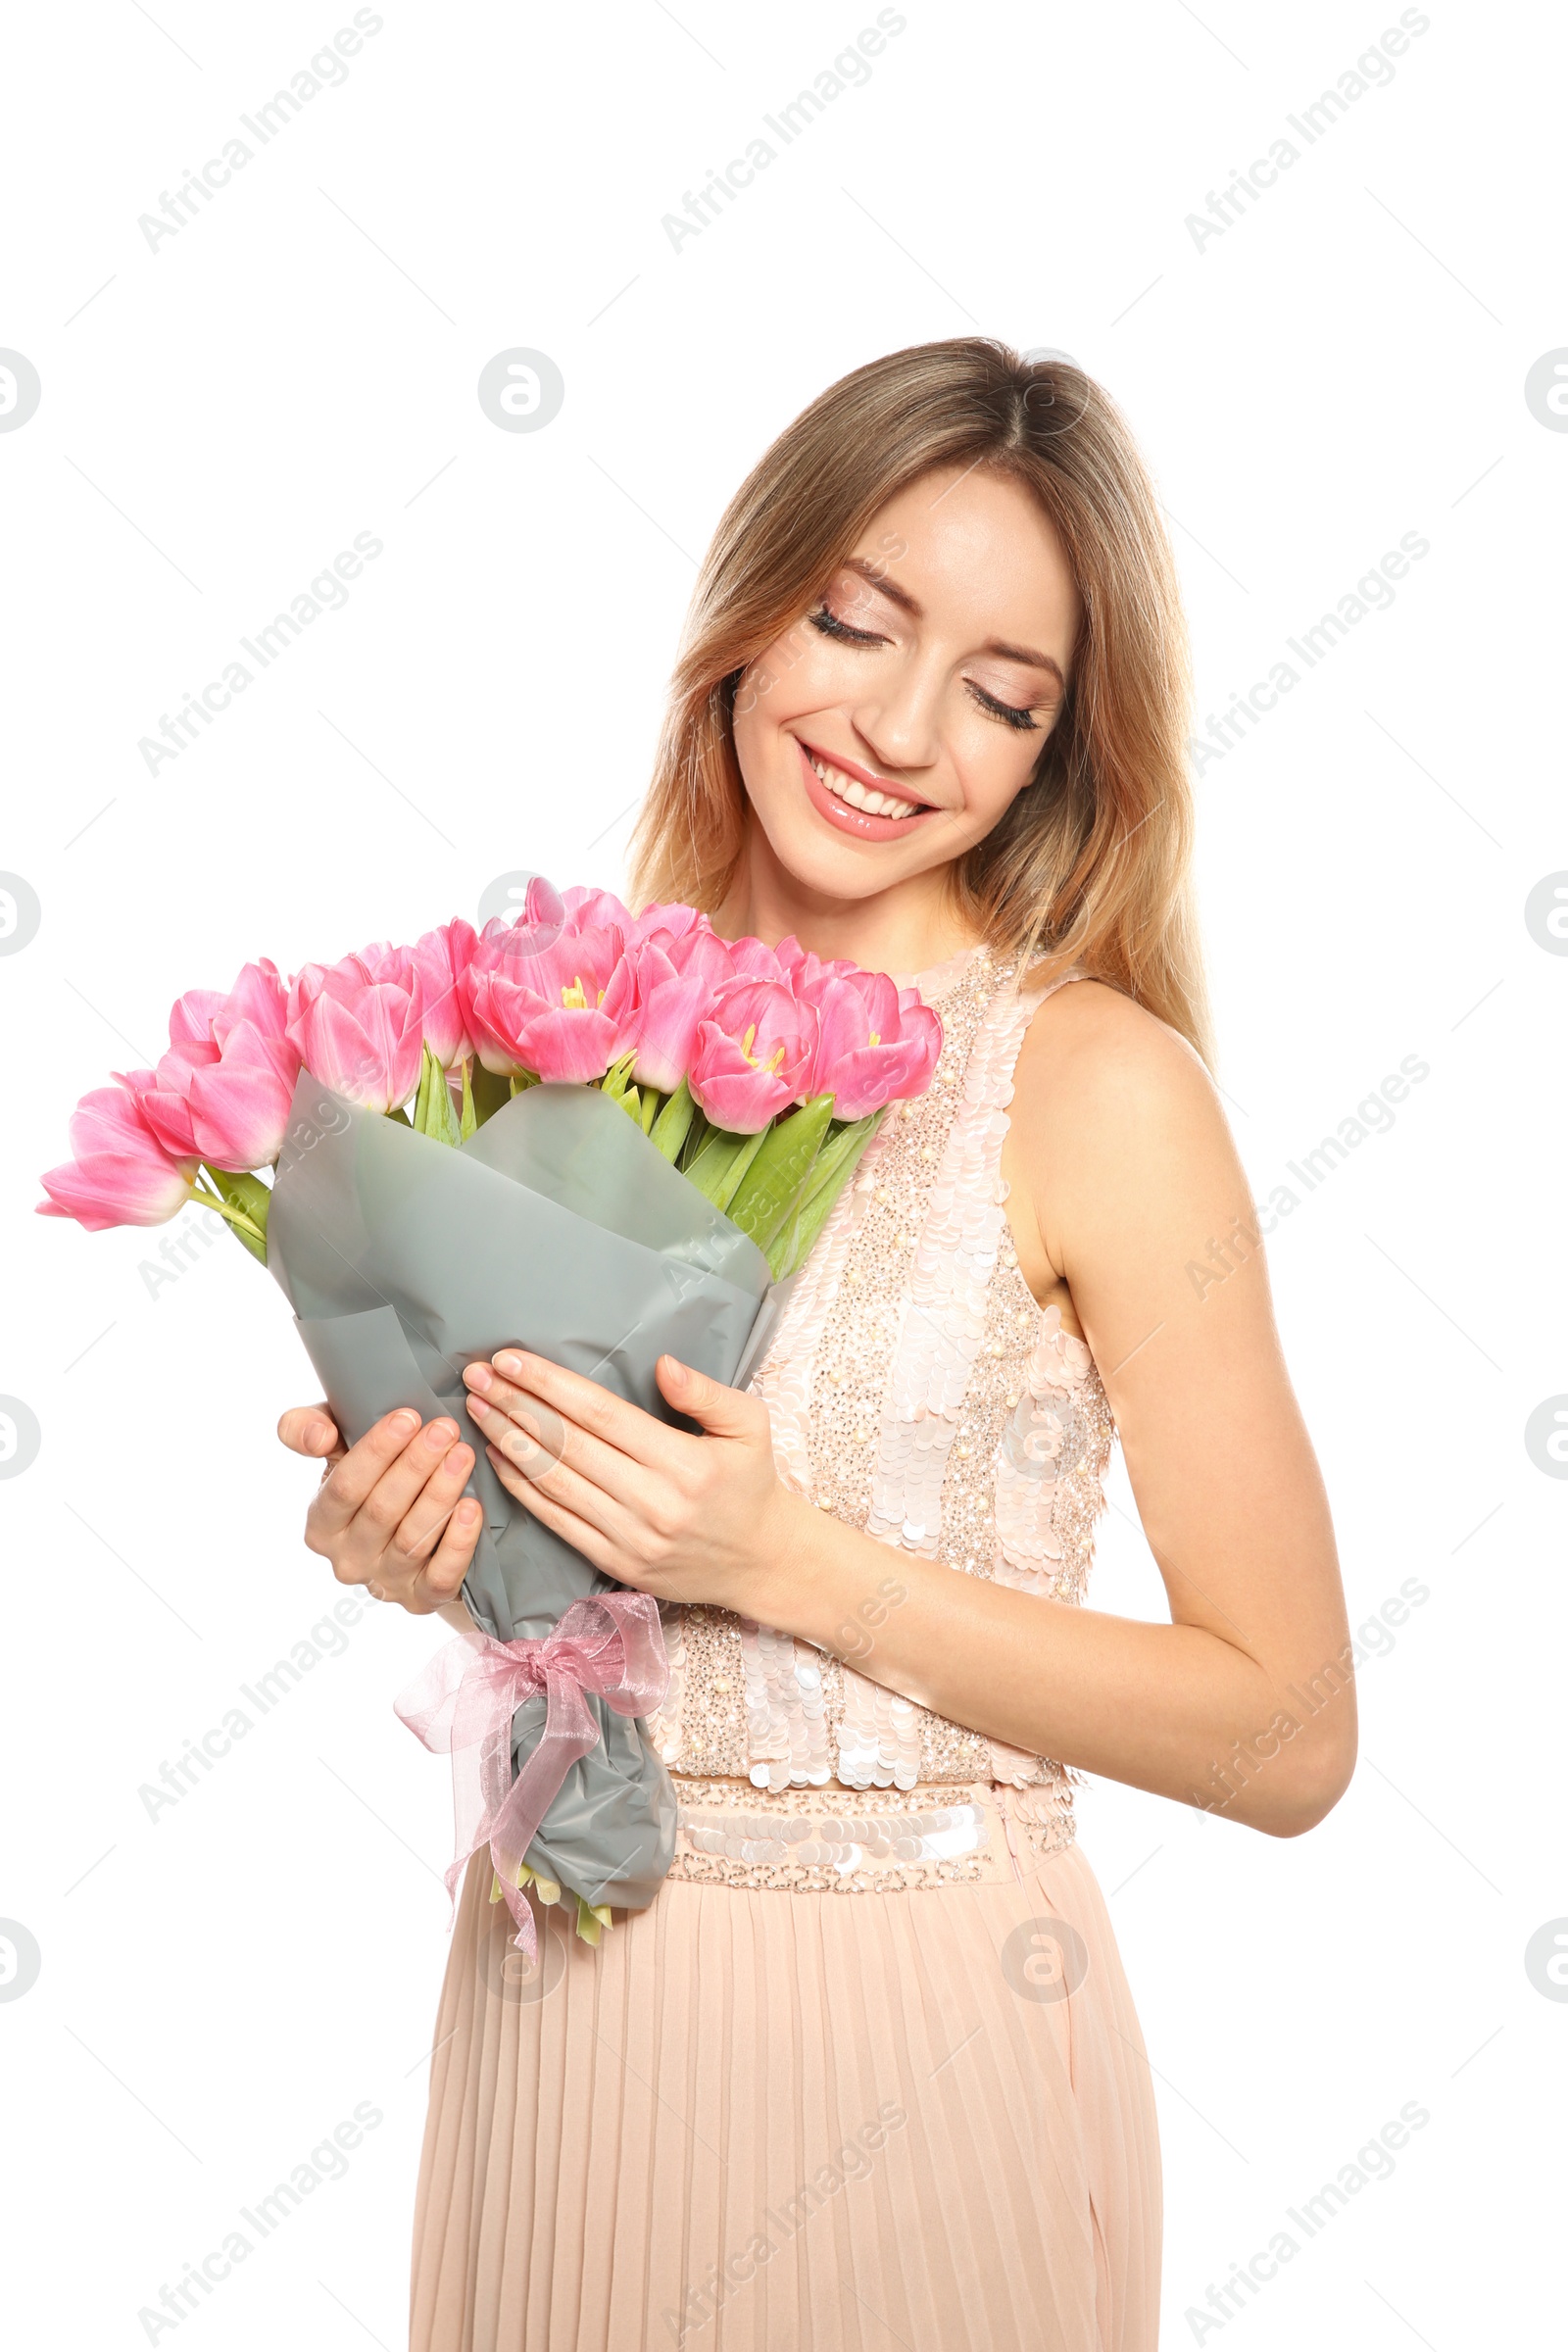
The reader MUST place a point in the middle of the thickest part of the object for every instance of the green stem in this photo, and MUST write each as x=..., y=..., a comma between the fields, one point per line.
x=236, y=1216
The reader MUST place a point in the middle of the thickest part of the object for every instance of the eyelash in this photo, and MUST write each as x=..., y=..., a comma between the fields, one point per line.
x=1008, y=713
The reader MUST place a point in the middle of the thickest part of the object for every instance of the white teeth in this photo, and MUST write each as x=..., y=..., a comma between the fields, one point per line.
x=857, y=795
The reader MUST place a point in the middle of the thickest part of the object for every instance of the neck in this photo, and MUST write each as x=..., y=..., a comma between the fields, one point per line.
x=907, y=928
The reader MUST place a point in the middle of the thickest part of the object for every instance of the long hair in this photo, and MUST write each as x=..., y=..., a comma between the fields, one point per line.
x=1090, y=861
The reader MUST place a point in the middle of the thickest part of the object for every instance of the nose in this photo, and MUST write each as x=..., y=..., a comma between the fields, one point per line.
x=901, y=723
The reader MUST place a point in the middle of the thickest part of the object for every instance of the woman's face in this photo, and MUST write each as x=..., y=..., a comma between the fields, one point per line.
x=889, y=730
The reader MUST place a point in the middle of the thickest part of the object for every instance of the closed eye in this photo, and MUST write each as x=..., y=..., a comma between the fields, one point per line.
x=1009, y=714
x=831, y=626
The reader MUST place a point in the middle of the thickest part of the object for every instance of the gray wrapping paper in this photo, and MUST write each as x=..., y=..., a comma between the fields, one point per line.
x=557, y=1227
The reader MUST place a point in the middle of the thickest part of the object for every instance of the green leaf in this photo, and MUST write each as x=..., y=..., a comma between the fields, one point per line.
x=488, y=1091
x=468, y=1120
x=617, y=1080
x=519, y=1082
x=652, y=1103
x=721, y=1163
x=771, y=1187
x=674, y=1122
x=696, y=1138
x=246, y=1201
x=433, y=1114
x=836, y=1164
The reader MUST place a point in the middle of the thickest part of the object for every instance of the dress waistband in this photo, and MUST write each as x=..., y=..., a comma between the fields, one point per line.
x=860, y=1840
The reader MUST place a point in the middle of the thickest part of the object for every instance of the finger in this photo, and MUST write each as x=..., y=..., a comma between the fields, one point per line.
x=724, y=1412
x=419, y=1530
x=444, y=1571
x=382, y=1474
x=311, y=1430
x=595, y=1548
x=535, y=1437
x=574, y=1493
x=590, y=1406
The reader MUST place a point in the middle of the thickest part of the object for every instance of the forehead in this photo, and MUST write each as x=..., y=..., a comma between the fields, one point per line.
x=975, y=544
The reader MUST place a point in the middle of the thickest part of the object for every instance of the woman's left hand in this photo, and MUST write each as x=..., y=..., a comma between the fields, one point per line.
x=686, y=1518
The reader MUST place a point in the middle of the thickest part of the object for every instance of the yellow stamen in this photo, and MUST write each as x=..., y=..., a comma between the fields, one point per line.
x=575, y=997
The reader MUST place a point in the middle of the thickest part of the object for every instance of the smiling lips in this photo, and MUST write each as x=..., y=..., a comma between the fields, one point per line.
x=857, y=802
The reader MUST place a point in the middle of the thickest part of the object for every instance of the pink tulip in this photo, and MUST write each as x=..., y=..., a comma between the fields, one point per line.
x=564, y=1010
x=594, y=910
x=121, y=1174
x=665, y=925
x=875, y=1043
x=258, y=995
x=442, y=959
x=360, y=1028
x=678, y=976
x=800, y=966
x=753, y=960
x=225, y=1103
x=752, y=1055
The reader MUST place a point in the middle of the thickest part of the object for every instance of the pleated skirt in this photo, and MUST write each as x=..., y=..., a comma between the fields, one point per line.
x=755, y=2122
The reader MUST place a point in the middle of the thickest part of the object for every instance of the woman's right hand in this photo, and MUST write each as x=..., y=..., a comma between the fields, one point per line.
x=391, y=1513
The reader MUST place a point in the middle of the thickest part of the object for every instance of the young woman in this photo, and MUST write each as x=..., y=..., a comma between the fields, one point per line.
x=930, y=715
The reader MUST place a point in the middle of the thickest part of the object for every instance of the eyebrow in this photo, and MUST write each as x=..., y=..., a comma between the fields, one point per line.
x=900, y=596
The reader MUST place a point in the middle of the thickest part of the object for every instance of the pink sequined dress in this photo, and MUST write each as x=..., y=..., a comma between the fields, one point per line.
x=868, y=2071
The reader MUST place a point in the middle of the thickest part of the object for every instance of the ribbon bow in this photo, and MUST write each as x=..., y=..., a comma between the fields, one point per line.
x=464, y=1700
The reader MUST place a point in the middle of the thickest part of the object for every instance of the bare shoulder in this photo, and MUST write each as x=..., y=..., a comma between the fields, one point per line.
x=1088, y=1048
x=1115, y=1123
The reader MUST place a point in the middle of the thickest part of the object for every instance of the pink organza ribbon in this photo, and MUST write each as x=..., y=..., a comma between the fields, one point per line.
x=462, y=1704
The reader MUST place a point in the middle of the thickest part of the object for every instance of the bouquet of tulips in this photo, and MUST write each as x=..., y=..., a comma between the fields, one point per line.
x=600, y=1136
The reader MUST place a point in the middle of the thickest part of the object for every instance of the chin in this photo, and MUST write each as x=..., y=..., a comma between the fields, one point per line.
x=830, y=868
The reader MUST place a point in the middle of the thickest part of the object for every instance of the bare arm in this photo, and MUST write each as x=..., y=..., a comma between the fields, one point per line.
x=1123, y=1172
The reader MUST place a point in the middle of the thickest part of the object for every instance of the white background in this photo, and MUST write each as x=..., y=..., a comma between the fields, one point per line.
x=219, y=417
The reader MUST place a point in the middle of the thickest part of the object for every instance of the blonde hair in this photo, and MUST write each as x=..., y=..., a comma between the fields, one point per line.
x=1090, y=863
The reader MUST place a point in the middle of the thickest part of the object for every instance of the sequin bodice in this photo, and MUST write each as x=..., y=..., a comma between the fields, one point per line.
x=918, y=1393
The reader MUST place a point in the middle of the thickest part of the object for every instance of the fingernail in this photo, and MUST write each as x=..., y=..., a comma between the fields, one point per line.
x=510, y=1364
x=407, y=1419
x=466, y=1513
x=480, y=1376
x=478, y=1407
x=440, y=1433
x=460, y=1461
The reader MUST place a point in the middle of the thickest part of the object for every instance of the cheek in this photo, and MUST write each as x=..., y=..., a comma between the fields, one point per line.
x=995, y=765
